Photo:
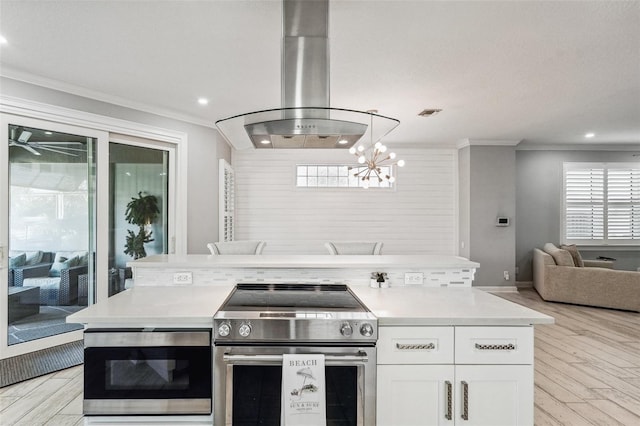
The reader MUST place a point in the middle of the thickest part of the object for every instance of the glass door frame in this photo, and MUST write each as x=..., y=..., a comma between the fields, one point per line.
x=101, y=138
x=102, y=126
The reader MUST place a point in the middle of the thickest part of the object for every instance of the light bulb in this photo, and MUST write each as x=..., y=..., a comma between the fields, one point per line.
x=343, y=141
x=383, y=148
x=360, y=148
x=352, y=150
x=400, y=163
x=365, y=184
x=392, y=179
x=361, y=160
x=392, y=155
x=378, y=145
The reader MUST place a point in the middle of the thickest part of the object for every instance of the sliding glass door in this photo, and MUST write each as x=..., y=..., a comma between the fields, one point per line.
x=49, y=231
x=138, y=206
x=76, y=205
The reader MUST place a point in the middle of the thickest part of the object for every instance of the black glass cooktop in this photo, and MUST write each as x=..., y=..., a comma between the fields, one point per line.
x=287, y=297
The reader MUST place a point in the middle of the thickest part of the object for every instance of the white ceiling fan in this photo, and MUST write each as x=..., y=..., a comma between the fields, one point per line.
x=34, y=147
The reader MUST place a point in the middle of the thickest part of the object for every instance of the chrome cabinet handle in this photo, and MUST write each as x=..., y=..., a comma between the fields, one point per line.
x=465, y=400
x=448, y=415
x=508, y=347
x=417, y=346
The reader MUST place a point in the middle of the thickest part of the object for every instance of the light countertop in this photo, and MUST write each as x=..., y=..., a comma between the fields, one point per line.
x=194, y=306
x=301, y=261
x=417, y=305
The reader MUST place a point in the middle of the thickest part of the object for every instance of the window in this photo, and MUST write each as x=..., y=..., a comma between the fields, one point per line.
x=226, y=189
x=337, y=176
x=601, y=203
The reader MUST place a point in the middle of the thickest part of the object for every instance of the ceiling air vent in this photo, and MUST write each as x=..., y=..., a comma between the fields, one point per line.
x=429, y=112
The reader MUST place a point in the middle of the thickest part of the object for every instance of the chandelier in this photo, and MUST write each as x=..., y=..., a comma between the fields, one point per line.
x=375, y=161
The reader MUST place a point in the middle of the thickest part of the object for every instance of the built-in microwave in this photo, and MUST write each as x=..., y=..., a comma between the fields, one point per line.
x=147, y=372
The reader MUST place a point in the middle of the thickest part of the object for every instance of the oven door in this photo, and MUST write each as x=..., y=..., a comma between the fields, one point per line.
x=147, y=372
x=248, y=382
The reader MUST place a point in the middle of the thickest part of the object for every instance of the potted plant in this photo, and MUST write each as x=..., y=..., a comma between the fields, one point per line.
x=142, y=212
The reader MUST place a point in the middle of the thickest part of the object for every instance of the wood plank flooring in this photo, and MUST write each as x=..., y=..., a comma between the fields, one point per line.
x=587, y=373
x=586, y=364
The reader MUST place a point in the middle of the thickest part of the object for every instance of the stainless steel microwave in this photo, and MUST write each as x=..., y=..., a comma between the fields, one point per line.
x=147, y=372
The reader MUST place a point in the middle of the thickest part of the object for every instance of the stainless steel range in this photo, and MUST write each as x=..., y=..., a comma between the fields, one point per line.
x=258, y=323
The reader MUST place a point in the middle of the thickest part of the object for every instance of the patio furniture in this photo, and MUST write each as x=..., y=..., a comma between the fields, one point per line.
x=58, y=281
x=23, y=302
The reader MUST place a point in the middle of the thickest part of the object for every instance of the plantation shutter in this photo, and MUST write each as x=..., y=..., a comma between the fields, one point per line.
x=584, y=203
x=623, y=203
x=602, y=203
x=226, y=207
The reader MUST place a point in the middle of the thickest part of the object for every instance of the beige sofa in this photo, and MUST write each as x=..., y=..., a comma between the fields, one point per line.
x=557, y=279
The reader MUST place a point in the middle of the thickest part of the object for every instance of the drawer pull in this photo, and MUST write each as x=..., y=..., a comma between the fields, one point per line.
x=465, y=401
x=415, y=346
x=508, y=347
x=449, y=414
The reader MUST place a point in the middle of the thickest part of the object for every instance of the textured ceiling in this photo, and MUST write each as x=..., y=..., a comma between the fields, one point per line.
x=540, y=72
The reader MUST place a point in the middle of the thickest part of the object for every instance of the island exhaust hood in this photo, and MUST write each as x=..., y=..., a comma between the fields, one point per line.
x=305, y=120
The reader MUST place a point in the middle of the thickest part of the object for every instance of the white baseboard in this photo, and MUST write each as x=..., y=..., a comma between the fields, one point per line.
x=498, y=288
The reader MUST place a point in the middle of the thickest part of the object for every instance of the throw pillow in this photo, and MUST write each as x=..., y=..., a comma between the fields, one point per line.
x=575, y=254
x=33, y=257
x=560, y=256
x=62, y=263
x=17, y=261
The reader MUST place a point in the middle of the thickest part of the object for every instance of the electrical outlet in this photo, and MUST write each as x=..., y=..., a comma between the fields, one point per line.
x=182, y=278
x=413, y=277
x=506, y=275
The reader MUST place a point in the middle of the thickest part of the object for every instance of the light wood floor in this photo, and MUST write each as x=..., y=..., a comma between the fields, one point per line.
x=587, y=364
x=587, y=372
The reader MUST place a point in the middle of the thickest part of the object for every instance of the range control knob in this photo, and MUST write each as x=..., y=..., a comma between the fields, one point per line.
x=224, y=329
x=345, y=329
x=366, y=329
x=244, y=330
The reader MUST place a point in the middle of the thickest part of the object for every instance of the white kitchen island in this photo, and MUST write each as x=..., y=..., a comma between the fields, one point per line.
x=435, y=346
x=445, y=350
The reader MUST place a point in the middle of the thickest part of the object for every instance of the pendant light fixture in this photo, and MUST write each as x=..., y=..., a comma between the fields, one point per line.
x=373, y=158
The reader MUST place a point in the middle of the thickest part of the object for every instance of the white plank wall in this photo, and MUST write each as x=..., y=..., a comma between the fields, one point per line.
x=419, y=216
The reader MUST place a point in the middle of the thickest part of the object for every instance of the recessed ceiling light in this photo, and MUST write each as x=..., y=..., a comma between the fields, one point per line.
x=48, y=133
x=343, y=141
x=265, y=141
x=589, y=135
x=203, y=101
x=3, y=40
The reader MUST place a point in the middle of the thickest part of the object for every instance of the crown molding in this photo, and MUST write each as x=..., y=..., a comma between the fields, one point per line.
x=73, y=89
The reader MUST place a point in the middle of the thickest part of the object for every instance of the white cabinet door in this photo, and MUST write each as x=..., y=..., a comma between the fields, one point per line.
x=496, y=395
x=415, y=395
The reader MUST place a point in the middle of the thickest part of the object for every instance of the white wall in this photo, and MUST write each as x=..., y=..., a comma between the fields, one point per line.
x=419, y=217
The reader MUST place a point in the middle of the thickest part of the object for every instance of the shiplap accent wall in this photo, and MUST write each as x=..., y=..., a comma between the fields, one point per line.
x=419, y=216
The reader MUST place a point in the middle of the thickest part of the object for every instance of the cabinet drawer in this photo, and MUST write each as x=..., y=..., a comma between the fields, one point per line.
x=494, y=345
x=415, y=345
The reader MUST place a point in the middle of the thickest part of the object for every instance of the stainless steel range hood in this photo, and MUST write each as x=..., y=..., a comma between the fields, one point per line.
x=305, y=120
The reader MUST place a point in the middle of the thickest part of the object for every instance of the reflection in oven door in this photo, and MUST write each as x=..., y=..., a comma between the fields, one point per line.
x=248, y=383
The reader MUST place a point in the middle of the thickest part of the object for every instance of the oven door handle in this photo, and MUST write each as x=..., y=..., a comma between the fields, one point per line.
x=359, y=357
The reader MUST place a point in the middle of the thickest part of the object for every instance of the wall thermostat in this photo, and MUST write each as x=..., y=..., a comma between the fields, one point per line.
x=502, y=221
